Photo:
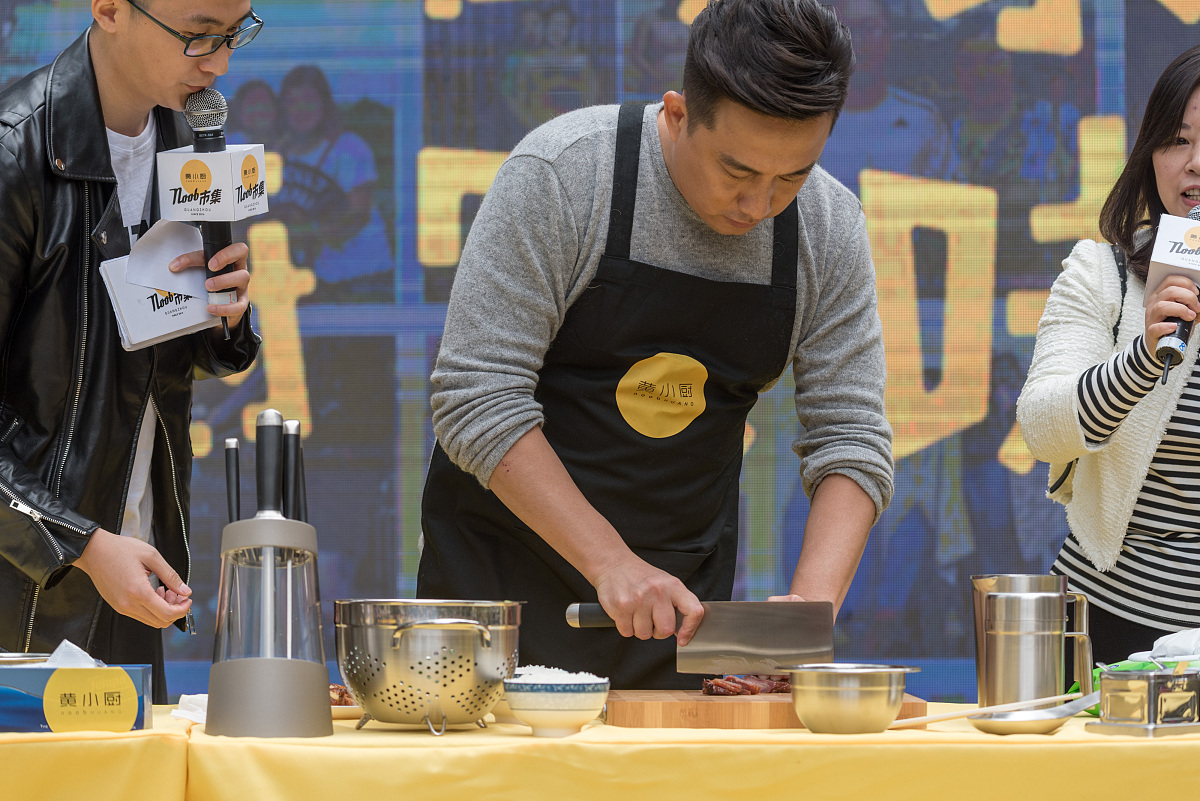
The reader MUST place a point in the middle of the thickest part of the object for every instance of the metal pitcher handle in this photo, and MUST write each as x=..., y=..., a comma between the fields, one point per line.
x=1083, y=644
x=1083, y=661
x=1081, y=611
x=453, y=623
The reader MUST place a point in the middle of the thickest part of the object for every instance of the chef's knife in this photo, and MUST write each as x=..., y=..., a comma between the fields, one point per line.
x=741, y=637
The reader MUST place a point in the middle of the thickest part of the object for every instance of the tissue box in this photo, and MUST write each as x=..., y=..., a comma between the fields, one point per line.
x=39, y=698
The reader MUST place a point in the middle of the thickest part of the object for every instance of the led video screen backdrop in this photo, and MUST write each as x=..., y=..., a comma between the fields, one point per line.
x=981, y=138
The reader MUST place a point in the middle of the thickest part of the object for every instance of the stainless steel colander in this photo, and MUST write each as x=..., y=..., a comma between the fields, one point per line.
x=422, y=661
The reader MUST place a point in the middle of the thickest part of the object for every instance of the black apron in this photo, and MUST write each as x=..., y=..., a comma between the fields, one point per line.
x=645, y=391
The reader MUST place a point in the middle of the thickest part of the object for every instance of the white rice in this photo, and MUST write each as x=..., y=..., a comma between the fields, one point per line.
x=539, y=674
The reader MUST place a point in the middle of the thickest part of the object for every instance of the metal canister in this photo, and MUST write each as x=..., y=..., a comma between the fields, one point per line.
x=1149, y=697
x=1024, y=643
x=1039, y=618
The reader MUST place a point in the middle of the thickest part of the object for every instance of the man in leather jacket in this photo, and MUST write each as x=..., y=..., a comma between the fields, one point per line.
x=74, y=405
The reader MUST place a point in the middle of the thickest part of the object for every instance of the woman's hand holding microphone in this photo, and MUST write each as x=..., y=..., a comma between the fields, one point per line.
x=1172, y=308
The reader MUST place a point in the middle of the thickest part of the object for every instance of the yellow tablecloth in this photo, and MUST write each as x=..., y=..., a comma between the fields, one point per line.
x=950, y=760
x=97, y=766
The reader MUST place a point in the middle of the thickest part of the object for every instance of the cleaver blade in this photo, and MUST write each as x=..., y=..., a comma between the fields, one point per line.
x=741, y=637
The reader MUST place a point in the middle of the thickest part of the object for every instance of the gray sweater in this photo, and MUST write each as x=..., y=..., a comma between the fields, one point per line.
x=537, y=241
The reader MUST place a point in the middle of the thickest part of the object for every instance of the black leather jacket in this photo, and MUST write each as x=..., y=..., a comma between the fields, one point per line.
x=71, y=398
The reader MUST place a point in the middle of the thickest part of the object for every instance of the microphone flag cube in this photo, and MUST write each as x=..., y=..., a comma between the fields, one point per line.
x=1176, y=251
x=225, y=185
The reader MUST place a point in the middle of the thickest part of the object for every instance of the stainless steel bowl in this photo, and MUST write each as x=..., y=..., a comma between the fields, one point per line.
x=426, y=661
x=847, y=697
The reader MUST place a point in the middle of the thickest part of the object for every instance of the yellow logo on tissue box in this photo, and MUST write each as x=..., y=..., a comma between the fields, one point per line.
x=90, y=699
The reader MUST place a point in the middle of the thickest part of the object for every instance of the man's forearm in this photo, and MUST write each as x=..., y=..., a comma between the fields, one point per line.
x=533, y=483
x=835, y=535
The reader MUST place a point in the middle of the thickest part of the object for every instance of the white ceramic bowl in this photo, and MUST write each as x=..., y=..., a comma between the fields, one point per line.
x=555, y=709
x=501, y=711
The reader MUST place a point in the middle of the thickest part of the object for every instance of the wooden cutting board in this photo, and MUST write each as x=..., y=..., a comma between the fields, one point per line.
x=692, y=709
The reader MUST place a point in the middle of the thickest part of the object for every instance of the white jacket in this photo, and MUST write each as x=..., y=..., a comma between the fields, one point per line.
x=1075, y=333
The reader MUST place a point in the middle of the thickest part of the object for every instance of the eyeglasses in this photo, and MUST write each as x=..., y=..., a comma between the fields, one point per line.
x=199, y=46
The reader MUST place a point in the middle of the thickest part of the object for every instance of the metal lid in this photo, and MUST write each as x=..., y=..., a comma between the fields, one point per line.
x=1020, y=582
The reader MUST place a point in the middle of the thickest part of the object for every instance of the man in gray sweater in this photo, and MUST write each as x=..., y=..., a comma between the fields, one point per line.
x=634, y=279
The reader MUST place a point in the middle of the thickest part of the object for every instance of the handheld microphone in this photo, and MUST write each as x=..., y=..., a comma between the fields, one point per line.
x=1172, y=347
x=206, y=112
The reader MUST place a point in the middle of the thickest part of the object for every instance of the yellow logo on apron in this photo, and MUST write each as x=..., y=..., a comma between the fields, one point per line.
x=661, y=396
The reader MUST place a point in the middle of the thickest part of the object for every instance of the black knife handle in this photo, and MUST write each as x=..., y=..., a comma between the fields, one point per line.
x=233, y=480
x=589, y=616
x=291, y=469
x=301, y=489
x=268, y=469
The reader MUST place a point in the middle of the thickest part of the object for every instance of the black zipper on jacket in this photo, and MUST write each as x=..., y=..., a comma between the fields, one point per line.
x=37, y=589
x=37, y=516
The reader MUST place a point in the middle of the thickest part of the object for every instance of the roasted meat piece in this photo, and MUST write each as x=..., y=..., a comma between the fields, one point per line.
x=746, y=685
x=340, y=696
x=723, y=687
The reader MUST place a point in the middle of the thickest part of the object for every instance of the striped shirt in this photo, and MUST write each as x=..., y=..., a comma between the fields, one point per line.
x=1157, y=573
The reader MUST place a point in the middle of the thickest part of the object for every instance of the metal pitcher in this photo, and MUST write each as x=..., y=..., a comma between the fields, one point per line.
x=1020, y=637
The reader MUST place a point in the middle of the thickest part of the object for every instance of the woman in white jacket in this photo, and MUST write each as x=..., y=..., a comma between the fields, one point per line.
x=1122, y=446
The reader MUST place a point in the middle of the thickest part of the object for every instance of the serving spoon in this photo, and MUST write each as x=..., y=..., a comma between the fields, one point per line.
x=1014, y=706
x=1033, y=721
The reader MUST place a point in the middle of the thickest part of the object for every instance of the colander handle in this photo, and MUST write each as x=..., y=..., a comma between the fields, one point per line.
x=445, y=623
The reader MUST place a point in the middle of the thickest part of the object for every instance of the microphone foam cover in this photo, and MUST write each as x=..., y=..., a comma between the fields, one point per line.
x=206, y=110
